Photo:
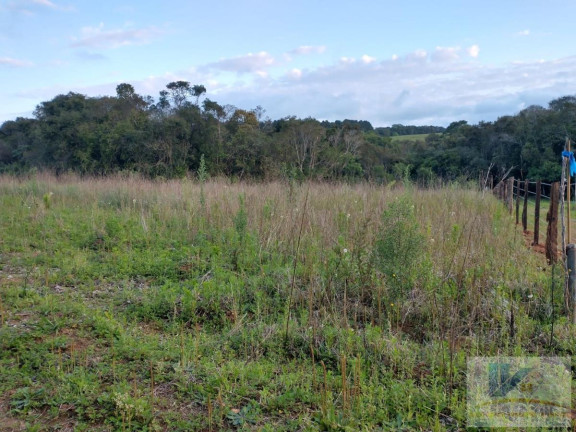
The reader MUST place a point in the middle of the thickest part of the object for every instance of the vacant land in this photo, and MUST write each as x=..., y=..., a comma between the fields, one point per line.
x=127, y=304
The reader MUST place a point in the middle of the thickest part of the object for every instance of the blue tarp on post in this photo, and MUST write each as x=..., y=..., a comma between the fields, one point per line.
x=570, y=156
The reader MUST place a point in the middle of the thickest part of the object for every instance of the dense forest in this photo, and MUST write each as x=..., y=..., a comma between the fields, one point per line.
x=168, y=136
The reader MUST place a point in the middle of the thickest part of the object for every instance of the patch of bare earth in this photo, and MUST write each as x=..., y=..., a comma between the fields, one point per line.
x=7, y=422
x=538, y=248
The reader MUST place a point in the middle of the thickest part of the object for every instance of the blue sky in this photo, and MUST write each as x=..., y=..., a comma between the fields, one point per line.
x=410, y=62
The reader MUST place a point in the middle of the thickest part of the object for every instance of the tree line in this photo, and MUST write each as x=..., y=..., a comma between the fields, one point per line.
x=528, y=144
x=167, y=136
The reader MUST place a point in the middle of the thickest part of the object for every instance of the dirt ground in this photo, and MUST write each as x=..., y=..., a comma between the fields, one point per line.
x=538, y=248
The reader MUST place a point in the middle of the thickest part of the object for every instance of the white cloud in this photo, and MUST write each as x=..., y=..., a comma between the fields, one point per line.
x=12, y=62
x=367, y=59
x=100, y=38
x=409, y=92
x=446, y=54
x=249, y=63
x=348, y=60
x=295, y=73
x=417, y=55
x=523, y=33
x=308, y=49
x=473, y=51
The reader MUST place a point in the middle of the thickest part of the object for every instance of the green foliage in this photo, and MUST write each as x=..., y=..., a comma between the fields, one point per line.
x=176, y=134
x=246, y=415
x=202, y=170
x=26, y=398
x=47, y=200
x=400, y=247
x=202, y=177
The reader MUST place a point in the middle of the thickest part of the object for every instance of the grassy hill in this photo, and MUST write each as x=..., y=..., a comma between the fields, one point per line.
x=127, y=304
x=418, y=138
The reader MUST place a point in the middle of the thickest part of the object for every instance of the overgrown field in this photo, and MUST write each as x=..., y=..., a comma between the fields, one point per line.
x=180, y=306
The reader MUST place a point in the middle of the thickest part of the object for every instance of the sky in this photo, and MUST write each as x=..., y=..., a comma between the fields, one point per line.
x=418, y=62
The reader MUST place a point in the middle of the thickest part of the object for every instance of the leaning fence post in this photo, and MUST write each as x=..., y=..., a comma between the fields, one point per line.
x=537, y=213
x=525, y=208
x=552, y=230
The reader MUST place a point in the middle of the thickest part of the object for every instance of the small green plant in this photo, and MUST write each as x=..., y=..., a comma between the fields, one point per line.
x=241, y=219
x=26, y=398
x=47, y=198
x=133, y=411
x=241, y=417
x=399, y=246
x=202, y=177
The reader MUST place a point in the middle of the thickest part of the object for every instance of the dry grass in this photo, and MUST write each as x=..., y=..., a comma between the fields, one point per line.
x=334, y=212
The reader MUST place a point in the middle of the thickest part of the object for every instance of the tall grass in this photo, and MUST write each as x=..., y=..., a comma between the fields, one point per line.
x=183, y=290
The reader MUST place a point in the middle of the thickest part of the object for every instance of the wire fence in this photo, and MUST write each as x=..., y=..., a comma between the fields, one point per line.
x=521, y=195
x=519, y=189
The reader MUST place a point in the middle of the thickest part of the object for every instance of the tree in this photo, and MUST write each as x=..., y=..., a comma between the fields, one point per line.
x=179, y=90
x=197, y=91
x=125, y=91
x=341, y=156
x=304, y=137
x=16, y=141
x=218, y=113
x=244, y=151
x=129, y=100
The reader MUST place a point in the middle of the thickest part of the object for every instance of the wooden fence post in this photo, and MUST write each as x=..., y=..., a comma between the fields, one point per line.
x=525, y=209
x=552, y=231
x=537, y=213
x=510, y=196
x=517, y=200
x=570, y=295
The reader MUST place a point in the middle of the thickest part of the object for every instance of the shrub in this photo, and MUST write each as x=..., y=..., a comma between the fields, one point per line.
x=397, y=251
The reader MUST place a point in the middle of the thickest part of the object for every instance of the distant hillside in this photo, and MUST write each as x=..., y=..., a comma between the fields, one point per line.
x=399, y=129
x=416, y=138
